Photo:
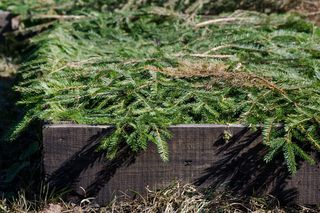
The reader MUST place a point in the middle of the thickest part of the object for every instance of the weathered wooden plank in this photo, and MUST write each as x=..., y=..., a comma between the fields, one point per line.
x=5, y=21
x=198, y=154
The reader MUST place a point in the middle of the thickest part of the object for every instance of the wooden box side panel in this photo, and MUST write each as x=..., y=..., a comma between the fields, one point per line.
x=199, y=154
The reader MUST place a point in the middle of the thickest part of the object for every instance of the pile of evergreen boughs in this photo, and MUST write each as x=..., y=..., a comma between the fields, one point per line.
x=146, y=69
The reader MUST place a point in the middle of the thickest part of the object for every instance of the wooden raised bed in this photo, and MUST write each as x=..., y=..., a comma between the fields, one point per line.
x=198, y=154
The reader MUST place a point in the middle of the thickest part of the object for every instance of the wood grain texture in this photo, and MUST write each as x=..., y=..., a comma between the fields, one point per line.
x=198, y=154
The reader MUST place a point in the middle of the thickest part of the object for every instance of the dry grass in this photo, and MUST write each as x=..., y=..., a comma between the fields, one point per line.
x=218, y=72
x=7, y=68
x=309, y=8
x=175, y=198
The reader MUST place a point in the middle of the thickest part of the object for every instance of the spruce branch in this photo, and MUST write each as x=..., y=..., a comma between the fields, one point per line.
x=122, y=68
